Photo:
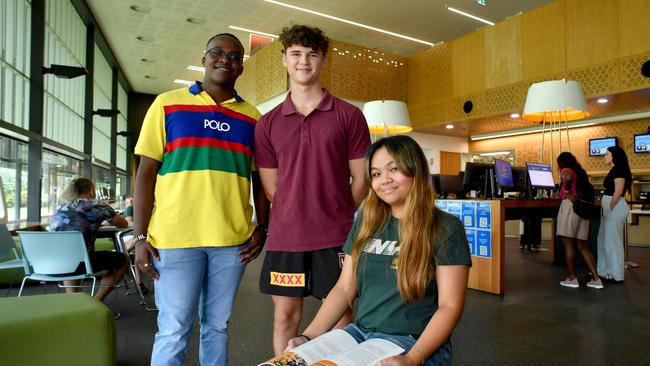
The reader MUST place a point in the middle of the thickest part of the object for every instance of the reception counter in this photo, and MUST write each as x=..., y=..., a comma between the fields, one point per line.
x=484, y=222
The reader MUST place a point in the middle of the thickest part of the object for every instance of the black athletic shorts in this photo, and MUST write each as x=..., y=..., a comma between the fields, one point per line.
x=301, y=274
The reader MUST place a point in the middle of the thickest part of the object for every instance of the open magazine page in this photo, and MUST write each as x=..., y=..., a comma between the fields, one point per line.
x=336, y=348
x=317, y=349
x=366, y=353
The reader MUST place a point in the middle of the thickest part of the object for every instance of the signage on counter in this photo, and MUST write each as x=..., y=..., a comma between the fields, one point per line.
x=483, y=243
x=476, y=218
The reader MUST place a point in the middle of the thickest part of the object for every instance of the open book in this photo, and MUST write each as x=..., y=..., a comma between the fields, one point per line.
x=336, y=348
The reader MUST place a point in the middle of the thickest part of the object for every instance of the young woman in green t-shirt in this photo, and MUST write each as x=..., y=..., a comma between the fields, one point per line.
x=406, y=261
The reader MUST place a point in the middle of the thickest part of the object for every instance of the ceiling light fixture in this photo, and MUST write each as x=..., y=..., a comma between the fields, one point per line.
x=65, y=71
x=387, y=117
x=514, y=115
x=253, y=31
x=495, y=153
x=583, y=123
x=140, y=9
x=144, y=38
x=449, y=126
x=196, y=68
x=195, y=21
x=184, y=82
x=469, y=15
x=602, y=100
x=350, y=22
x=106, y=112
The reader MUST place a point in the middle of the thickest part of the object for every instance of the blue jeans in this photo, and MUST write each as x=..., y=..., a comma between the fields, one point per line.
x=442, y=356
x=195, y=278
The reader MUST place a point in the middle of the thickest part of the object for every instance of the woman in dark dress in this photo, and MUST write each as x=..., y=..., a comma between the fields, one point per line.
x=614, y=212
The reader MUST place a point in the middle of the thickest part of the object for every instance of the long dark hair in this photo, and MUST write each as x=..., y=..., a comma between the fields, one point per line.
x=619, y=159
x=417, y=229
x=568, y=160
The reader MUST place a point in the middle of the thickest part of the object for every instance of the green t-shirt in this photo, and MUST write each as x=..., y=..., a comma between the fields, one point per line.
x=380, y=307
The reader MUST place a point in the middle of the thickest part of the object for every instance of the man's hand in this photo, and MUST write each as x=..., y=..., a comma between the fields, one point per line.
x=255, y=248
x=143, y=252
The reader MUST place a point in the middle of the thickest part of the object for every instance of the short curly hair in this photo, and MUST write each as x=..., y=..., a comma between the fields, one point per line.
x=305, y=36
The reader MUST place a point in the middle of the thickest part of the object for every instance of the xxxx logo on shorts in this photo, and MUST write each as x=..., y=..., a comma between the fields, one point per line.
x=288, y=279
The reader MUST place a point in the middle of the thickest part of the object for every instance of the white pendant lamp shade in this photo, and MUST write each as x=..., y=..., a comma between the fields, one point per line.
x=557, y=100
x=387, y=117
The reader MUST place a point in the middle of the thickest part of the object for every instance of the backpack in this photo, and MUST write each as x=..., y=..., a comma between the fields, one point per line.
x=584, y=205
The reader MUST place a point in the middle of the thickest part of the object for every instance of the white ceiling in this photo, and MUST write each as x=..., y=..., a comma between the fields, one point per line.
x=171, y=43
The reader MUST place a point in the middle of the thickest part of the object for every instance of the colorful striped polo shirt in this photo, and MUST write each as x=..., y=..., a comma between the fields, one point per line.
x=202, y=194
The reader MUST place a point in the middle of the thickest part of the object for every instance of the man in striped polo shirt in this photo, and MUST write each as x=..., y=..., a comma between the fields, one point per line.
x=192, y=216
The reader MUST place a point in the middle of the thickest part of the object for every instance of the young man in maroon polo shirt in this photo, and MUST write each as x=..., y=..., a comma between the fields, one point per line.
x=310, y=153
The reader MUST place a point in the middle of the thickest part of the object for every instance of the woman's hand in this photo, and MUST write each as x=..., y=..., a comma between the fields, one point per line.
x=398, y=361
x=295, y=342
x=570, y=196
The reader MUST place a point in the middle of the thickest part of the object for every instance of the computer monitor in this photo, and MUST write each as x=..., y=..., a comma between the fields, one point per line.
x=450, y=184
x=540, y=175
x=642, y=143
x=479, y=177
x=504, y=174
x=520, y=180
x=435, y=182
x=598, y=147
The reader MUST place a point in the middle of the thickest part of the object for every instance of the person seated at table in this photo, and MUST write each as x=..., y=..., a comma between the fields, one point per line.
x=83, y=212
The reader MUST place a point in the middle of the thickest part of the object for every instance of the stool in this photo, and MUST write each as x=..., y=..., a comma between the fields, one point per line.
x=61, y=329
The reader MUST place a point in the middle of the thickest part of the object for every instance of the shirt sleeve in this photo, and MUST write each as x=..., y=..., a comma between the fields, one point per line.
x=358, y=135
x=151, y=142
x=107, y=211
x=347, y=247
x=265, y=156
x=452, y=247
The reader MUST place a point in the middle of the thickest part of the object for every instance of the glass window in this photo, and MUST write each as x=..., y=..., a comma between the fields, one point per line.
x=102, y=179
x=13, y=170
x=58, y=172
x=120, y=186
x=15, y=32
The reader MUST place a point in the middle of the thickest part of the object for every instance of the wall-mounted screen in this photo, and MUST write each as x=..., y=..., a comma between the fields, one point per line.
x=541, y=176
x=642, y=143
x=598, y=147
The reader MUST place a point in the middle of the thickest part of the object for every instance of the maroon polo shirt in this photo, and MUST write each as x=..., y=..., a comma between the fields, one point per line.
x=313, y=207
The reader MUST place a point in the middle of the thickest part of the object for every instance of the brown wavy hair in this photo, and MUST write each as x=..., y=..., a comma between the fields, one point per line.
x=418, y=227
x=304, y=36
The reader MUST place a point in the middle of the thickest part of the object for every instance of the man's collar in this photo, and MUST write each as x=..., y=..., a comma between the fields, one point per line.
x=325, y=103
x=197, y=88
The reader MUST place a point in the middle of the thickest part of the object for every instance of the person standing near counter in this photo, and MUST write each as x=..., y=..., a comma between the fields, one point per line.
x=614, y=212
x=310, y=152
x=572, y=228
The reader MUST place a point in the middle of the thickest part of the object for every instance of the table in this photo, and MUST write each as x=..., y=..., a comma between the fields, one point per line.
x=25, y=226
x=633, y=219
x=488, y=255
